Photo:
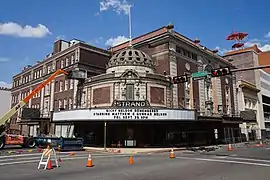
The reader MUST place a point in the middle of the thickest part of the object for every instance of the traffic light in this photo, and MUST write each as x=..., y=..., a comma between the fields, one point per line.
x=180, y=79
x=220, y=72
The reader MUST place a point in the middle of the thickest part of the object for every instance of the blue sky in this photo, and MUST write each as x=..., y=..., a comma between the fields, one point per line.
x=29, y=28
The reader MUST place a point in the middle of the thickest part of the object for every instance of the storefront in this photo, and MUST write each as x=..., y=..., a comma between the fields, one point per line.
x=131, y=127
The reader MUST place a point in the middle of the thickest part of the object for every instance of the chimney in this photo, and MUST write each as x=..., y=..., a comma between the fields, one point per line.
x=57, y=46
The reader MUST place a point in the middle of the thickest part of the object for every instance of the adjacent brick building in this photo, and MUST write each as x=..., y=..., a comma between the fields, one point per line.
x=60, y=93
x=258, y=83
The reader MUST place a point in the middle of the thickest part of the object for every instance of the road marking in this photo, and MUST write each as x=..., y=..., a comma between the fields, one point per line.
x=19, y=155
x=225, y=161
x=35, y=154
x=68, y=158
x=38, y=157
x=249, y=159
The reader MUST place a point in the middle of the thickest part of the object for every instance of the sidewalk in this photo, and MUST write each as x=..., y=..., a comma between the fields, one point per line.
x=132, y=150
x=160, y=150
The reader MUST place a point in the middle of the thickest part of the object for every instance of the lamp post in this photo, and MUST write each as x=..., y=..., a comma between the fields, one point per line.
x=105, y=135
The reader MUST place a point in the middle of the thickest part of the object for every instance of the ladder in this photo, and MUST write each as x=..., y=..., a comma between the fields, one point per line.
x=46, y=157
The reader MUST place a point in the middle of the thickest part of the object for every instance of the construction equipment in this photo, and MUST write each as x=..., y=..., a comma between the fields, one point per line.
x=10, y=139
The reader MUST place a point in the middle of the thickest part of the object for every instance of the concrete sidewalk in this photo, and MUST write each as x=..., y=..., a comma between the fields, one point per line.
x=132, y=150
x=160, y=150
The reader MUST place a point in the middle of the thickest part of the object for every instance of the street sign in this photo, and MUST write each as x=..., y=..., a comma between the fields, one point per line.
x=199, y=74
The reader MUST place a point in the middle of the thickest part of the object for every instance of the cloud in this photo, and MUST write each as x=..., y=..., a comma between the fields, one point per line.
x=61, y=37
x=221, y=51
x=116, y=41
x=261, y=46
x=267, y=35
x=116, y=5
x=4, y=59
x=14, y=29
x=4, y=84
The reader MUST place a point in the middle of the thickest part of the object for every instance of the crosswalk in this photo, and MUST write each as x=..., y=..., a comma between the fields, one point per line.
x=35, y=157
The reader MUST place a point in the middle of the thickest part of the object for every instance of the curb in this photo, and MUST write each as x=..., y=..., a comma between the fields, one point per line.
x=167, y=150
x=134, y=152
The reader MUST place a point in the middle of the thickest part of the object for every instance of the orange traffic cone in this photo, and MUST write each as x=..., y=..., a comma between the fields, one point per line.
x=71, y=154
x=172, y=154
x=89, y=161
x=261, y=144
x=230, y=147
x=130, y=160
x=49, y=167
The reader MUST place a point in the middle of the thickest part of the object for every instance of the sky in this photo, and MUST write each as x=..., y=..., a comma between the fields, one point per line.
x=29, y=28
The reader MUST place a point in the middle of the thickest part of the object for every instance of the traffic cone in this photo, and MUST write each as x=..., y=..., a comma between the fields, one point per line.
x=230, y=147
x=130, y=160
x=71, y=154
x=89, y=161
x=172, y=154
x=261, y=144
x=49, y=167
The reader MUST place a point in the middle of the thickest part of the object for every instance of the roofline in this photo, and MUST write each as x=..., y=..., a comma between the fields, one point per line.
x=246, y=51
x=54, y=56
x=190, y=41
x=127, y=42
x=206, y=50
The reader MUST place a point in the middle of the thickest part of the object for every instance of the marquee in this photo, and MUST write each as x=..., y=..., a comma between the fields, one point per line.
x=132, y=114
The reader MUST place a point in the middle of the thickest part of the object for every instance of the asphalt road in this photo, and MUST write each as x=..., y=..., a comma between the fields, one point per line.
x=188, y=166
x=246, y=151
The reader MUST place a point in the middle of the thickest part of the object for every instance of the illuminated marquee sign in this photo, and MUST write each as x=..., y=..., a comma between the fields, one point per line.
x=130, y=114
x=122, y=114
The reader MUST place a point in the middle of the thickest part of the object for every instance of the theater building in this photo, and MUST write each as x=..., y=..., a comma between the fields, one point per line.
x=134, y=104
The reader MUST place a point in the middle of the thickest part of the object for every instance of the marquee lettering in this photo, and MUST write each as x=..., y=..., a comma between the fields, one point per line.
x=130, y=113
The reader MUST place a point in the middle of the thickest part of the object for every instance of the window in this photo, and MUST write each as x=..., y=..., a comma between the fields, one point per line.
x=66, y=85
x=46, y=107
x=65, y=104
x=72, y=60
x=66, y=61
x=61, y=86
x=130, y=91
x=83, y=97
x=47, y=90
x=59, y=103
x=70, y=103
x=53, y=66
x=49, y=69
x=62, y=63
x=71, y=83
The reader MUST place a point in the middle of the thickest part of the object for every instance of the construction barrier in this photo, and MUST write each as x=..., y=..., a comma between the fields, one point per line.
x=47, y=157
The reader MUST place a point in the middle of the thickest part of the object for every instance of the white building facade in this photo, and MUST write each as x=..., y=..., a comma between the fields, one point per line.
x=5, y=96
x=265, y=91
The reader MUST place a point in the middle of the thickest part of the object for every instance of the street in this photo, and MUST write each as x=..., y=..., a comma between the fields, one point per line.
x=247, y=163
